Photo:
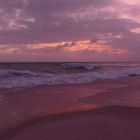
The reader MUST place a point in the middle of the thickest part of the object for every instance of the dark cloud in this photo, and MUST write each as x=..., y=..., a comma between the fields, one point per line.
x=47, y=26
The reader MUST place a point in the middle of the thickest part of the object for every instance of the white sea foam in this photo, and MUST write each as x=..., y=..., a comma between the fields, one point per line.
x=14, y=78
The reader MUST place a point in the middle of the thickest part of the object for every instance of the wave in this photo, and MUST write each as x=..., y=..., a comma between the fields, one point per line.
x=91, y=66
x=15, y=78
x=79, y=66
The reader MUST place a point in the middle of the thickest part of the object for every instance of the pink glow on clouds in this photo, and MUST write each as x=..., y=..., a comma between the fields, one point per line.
x=136, y=30
x=133, y=2
x=91, y=30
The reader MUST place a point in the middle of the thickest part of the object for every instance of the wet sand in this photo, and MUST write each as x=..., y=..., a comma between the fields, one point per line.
x=108, y=109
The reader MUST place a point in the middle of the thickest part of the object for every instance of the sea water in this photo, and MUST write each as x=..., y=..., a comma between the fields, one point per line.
x=18, y=75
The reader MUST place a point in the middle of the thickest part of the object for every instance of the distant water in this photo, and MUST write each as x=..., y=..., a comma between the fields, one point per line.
x=14, y=75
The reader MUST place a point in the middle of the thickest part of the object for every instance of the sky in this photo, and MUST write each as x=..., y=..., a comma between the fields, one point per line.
x=69, y=30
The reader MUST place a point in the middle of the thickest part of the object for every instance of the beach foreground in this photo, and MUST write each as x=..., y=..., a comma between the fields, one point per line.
x=108, y=109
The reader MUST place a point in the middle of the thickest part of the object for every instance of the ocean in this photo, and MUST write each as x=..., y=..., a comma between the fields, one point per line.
x=22, y=75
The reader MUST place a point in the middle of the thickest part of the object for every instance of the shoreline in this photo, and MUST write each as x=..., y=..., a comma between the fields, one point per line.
x=56, y=100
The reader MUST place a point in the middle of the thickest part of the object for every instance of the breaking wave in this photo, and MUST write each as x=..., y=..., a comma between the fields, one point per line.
x=25, y=78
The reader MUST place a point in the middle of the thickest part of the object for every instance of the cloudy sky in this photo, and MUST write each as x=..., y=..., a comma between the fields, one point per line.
x=69, y=30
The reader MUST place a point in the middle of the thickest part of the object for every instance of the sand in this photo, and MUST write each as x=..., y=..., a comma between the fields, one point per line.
x=107, y=109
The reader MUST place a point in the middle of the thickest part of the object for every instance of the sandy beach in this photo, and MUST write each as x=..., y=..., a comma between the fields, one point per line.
x=106, y=109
